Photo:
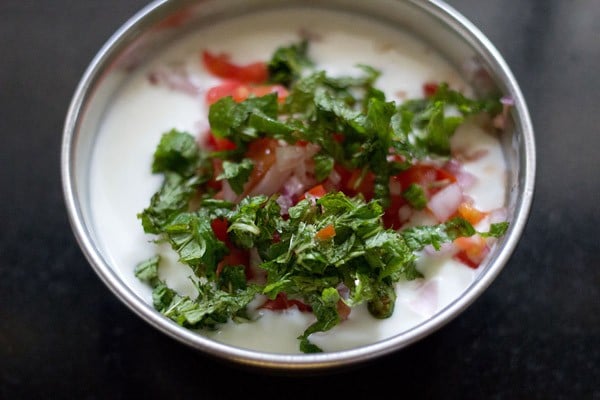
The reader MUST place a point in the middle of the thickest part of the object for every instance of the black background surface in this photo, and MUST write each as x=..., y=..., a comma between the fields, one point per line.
x=535, y=334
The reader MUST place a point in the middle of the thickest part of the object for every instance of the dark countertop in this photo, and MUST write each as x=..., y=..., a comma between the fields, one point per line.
x=535, y=334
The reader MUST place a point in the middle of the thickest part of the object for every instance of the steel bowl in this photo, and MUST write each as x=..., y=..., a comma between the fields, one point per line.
x=144, y=34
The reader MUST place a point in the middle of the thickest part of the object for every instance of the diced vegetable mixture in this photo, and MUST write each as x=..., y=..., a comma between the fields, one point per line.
x=302, y=190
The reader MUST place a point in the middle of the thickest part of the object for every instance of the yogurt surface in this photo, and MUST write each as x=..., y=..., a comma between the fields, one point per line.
x=121, y=183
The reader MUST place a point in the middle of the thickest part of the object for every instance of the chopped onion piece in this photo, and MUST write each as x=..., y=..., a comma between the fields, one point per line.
x=499, y=215
x=285, y=202
x=426, y=300
x=293, y=186
x=334, y=177
x=445, y=202
x=446, y=249
x=227, y=192
x=175, y=78
x=507, y=101
x=465, y=180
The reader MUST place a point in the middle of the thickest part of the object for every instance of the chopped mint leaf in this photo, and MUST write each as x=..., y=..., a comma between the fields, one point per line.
x=236, y=173
x=323, y=165
x=230, y=120
x=419, y=237
x=211, y=307
x=147, y=270
x=288, y=63
x=232, y=279
x=496, y=230
x=177, y=152
x=192, y=237
x=415, y=195
x=172, y=198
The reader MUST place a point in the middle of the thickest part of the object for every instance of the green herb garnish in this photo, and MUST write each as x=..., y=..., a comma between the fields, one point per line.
x=355, y=128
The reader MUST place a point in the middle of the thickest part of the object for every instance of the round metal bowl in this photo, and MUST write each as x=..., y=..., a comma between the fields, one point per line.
x=434, y=22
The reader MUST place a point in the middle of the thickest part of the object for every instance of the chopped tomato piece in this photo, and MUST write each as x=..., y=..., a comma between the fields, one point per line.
x=316, y=192
x=343, y=310
x=338, y=137
x=221, y=66
x=281, y=302
x=217, y=143
x=276, y=237
x=430, y=177
x=236, y=257
x=430, y=88
x=353, y=183
x=344, y=177
x=470, y=213
x=219, y=227
x=472, y=250
x=362, y=184
x=263, y=150
x=391, y=218
x=215, y=184
x=262, y=153
x=325, y=233
x=217, y=170
x=240, y=91
x=224, y=89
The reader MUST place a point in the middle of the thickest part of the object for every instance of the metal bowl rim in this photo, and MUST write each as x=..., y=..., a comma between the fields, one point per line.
x=273, y=361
